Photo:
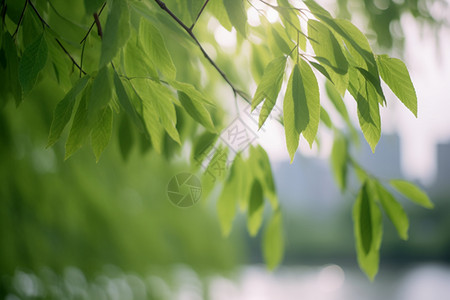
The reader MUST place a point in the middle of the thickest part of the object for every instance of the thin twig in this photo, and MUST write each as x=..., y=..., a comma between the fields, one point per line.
x=92, y=25
x=21, y=18
x=198, y=15
x=38, y=14
x=236, y=91
x=70, y=56
x=99, y=25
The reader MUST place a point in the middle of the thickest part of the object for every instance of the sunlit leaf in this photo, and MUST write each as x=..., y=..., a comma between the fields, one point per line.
x=273, y=241
x=237, y=15
x=412, y=192
x=394, y=72
x=339, y=161
x=394, y=211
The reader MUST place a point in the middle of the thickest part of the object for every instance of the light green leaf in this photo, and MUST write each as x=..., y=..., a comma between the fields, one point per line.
x=281, y=42
x=311, y=92
x=33, y=61
x=368, y=108
x=269, y=87
x=368, y=230
x=216, y=169
x=237, y=15
x=292, y=112
x=217, y=9
x=255, y=208
x=412, y=192
x=155, y=47
x=196, y=110
x=158, y=106
x=394, y=211
x=326, y=46
x=101, y=92
x=191, y=91
x=80, y=127
x=325, y=118
x=339, y=157
x=273, y=241
x=262, y=170
x=227, y=203
x=63, y=111
x=394, y=72
x=116, y=31
x=142, y=67
x=101, y=131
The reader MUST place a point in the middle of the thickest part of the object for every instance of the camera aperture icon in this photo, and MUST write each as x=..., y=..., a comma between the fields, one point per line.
x=184, y=189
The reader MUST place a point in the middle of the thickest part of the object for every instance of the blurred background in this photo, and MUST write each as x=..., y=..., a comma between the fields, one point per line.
x=79, y=230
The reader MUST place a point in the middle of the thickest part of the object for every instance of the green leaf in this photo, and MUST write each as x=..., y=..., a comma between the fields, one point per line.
x=203, y=145
x=191, y=91
x=227, y=203
x=196, y=110
x=80, y=128
x=292, y=111
x=155, y=47
x=280, y=42
x=12, y=82
x=255, y=208
x=216, y=169
x=262, y=170
x=125, y=102
x=339, y=157
x=269, y=87
x=311, y=92
x=237, y=15
x=63, y=111
x=101, y=93
x=368, y=230
x=325, y=45
x=368, y=108
x=273, y=241
x=158, y=107
x=116, y=31
x=394, y=72
x=142, y=67
x=33, y=61
x=394, y=211
x=325, y=118
x=101, y=131
x=412, y=192
x=125, y=136
x=217, y=9
x=92, y=6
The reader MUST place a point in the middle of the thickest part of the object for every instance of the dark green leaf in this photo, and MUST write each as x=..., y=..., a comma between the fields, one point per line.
x=125, y=137
x=80, y=128
x=255, y=208
x=92, y=6
x=116, y=31
x=33, y=61
x=101, y=131
x=101, y=93
x=63, y=111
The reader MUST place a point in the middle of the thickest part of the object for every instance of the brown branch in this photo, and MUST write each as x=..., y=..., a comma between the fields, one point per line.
x=236, y=91
x=99, y=25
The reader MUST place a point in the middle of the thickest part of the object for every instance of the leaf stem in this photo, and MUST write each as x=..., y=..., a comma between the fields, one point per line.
x=236, y=91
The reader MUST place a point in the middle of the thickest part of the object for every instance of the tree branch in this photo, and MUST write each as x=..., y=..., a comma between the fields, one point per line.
x=20, y=19
x=198, y=15
x=70, y=56
x=92, y=25
x=236, y=91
